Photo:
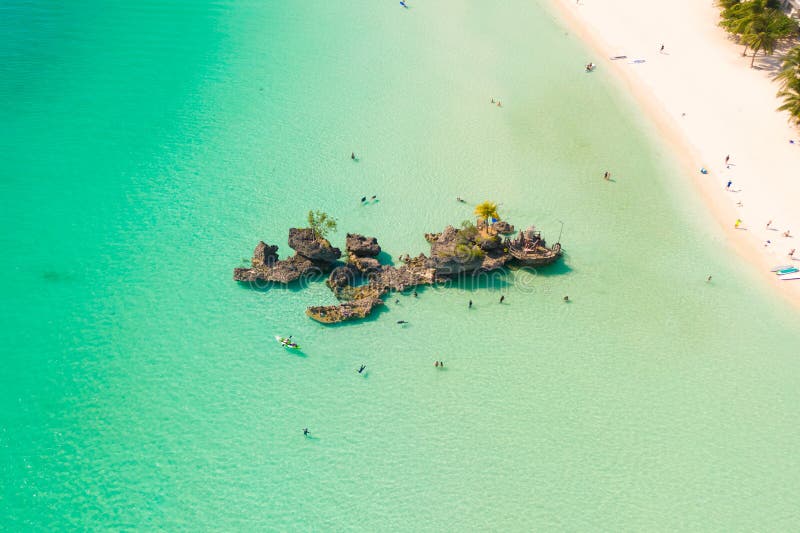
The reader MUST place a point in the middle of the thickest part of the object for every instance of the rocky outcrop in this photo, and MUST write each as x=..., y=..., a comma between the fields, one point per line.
x=361, y=246
x=502, y=227
x=453, y=255
x=416, y=271
x=313, y=257
x=490, y=244
x=366, y=265
x=284, y=272
x=264, y=255
x=363, y=281
x=330, y=314
x=343, y=276
x=307, y=244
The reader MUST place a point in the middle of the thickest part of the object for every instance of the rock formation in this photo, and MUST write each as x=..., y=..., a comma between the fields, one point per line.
x=360, y=246
x=313, y=256
x=361, y=282
x=305, y=243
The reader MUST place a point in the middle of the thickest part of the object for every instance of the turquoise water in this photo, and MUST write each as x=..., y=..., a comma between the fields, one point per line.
x=148, y=147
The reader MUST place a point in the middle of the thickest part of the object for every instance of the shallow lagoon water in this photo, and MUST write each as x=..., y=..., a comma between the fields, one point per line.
x=149, y=147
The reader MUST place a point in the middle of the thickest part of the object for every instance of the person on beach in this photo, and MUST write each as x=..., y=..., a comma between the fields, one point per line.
x=728, y=186
x=402, y=322
x=737, y=223
x=767, y=243
x=787, y=233
x=769, y=224
x=662, y=49
x=727, y=158
x=791, y=252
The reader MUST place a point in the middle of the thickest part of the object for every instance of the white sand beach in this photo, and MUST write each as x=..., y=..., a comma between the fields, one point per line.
x=709, y=104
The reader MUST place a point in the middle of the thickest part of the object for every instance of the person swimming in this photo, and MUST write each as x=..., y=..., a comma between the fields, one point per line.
x=374, y=197
x=402, y=322
x=566, y=298
x=360, y=370
x=363, y=199
x=305, y=432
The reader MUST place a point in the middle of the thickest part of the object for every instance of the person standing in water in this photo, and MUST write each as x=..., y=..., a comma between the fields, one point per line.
x=502, y=298
x=360, y=370
x=305, y=432
x=470, y=305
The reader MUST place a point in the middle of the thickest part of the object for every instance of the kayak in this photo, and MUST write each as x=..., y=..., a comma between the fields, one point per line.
x=789, y=270
x=287, y=343
x=788, y=277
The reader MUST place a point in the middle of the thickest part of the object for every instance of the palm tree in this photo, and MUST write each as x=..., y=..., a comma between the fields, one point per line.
x=739, y=17
x=791, y=101
x=487, y=210
x=790, y=68
x=766, y=29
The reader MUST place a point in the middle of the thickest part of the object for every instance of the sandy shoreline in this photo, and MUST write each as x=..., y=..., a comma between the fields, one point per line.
x=708, y=103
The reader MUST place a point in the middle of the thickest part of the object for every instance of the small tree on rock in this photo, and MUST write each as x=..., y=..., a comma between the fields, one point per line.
x=321, y=223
